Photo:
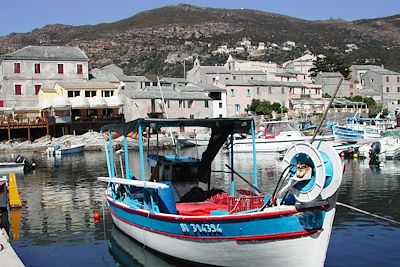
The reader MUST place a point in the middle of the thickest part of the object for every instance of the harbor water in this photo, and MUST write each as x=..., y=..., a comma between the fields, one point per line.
x=55, y=226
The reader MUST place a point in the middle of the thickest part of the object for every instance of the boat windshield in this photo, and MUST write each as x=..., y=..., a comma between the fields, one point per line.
x=275, y=128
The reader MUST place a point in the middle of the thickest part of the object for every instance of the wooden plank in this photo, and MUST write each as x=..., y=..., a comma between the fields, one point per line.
x=137, y=183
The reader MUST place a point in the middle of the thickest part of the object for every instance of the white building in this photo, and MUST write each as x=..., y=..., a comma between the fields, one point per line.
x=25, y=72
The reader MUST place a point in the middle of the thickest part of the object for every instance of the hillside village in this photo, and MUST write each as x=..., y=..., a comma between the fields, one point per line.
x=49, y=90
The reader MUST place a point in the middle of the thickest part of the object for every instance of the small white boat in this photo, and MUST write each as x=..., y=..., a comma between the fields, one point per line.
x=276, y=137
x=7, y=167
x=200, y=139
x=63, y=150
x=389, y=148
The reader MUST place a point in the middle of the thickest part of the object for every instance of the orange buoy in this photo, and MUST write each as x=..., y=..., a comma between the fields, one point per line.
x=96, y=216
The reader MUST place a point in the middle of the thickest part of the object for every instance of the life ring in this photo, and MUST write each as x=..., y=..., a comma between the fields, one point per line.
x=333, y=168
x=305, y=154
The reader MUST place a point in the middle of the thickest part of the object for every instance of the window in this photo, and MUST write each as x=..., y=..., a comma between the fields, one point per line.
x=146, y=83
x=190, y=103
x=60, y=68
x=269, y=89
x=18, y=89
x=215, y=95
x=90, y=93
x=37, y=68
x=220, y=105
x=234, y=78
x=17, y=67
x=251, y=78
x=191, y=116
x=37, y=88
x=282, y=90
x=180, y=103
x=258, y=90
x=107, y=93
x=351, y=94
x=398, y=101
x=351, y=86
x=387, y=78
x=1, y=103
x=233, y=93
x=206, y=103
x=73, y=93
x=248, y=92
x=398, y=89
x=166, y=103
x=398, y=79
x=220, y=115
x=79, y=69
x=237, y=108
x=387, y=89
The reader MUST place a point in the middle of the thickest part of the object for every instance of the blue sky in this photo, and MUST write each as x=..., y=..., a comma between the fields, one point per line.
x=25, y=15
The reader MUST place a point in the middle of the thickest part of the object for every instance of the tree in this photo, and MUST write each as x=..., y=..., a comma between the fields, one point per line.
x=264, y=107
x=329, y=64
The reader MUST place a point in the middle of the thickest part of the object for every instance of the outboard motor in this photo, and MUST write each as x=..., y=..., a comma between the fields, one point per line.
x=29, y=166
x=374, y=153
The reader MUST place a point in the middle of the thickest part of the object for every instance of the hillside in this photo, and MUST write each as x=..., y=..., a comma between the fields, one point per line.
x=141, y=44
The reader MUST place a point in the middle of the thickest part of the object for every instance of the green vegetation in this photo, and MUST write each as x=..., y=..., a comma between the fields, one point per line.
x=374, y=108
x=264, y=107
x=330, y=64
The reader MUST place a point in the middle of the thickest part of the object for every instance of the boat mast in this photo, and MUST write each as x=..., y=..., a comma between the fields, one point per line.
x=253, y=135
x=141, y=153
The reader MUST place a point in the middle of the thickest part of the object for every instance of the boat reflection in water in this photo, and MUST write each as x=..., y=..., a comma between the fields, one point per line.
x=127, y=252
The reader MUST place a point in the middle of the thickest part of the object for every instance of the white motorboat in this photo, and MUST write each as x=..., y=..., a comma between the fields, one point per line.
x=200, y=139
x=7, y=167
x=389, y=148
x=65, y=149
x=274, y=137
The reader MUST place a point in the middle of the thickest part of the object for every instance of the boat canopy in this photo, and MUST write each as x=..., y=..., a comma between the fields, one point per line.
x=229, y=125
x=221, y=128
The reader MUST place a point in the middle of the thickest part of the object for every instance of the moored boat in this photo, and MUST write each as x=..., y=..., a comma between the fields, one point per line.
x=65, y=149
x=276, y=137
x=357, y=127
x=235, y=229
x=7, y=167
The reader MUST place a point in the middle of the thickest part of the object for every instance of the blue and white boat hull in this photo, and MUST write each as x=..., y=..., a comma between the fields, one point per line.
x=269, y=241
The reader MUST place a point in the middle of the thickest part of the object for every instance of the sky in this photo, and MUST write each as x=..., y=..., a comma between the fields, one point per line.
x=26, y=15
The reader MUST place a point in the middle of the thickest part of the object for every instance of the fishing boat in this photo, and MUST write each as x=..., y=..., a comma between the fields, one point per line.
x=161, y=209
x=357, y=127
x=274, y=137
x=64, y=149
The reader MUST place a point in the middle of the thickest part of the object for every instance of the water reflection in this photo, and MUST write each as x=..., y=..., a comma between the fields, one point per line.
x=128, y=252
x=59, y=198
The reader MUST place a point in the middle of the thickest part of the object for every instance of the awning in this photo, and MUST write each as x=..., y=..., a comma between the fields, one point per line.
x=114, y=101
x=97, y=102
x=45, y=104
x=79, y=102
x=60, y=102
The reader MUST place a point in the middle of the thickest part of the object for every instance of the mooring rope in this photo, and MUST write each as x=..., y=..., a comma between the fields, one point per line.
x=367, y=213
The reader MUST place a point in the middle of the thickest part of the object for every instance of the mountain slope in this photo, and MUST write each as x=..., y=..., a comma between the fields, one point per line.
x=141, y=43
